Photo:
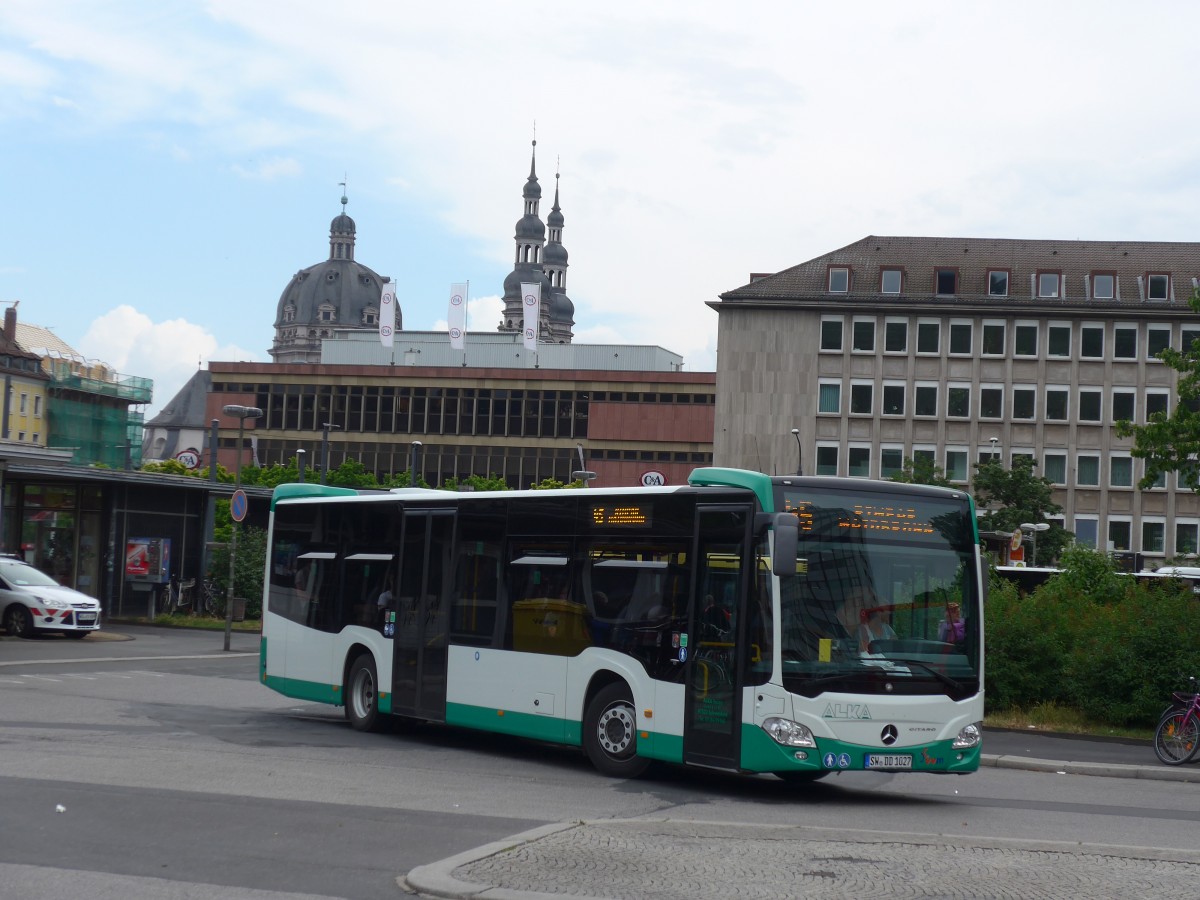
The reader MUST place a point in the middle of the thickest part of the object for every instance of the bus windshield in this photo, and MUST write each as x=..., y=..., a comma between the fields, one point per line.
x=885, y=598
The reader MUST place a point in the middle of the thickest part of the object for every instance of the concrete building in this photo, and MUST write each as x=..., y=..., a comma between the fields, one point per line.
x=960, y=348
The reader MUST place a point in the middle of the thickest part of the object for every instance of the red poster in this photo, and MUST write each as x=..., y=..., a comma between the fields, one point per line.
x=137, y=558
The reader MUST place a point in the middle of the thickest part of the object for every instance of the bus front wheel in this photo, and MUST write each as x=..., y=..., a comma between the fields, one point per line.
x=610, y=733
x=362, y=695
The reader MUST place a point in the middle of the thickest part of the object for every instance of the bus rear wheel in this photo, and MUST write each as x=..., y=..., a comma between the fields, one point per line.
x=610, y=733
x=362, y=695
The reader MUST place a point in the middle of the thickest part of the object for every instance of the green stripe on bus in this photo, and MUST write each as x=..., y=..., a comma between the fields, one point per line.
x=761, y=754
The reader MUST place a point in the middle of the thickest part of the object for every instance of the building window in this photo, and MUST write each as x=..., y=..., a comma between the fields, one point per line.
x=1087, y=470
x=1058, y=340
x=24, y=404
x=1153, y=536
x=958, y=401
x=946, y=282
x=1090, y=403
x=925, y=400
x=1024, y=403
x=997, y=283
x=1025, y=339
x=864, y=336
x=893, y=399
x=37, y=405
x=858, y=462
x=1120, y=471
x=36, y=437
x=1158, y=339
x=839, y=280
x=1124, y=342
x=891, y=461
x=1054, y=467
x=960, y=339
x=1188, y=338
x=929, y=337
x=1056, y=404
x=993, y=338
x=1048, y=284
x=1160, y=480
x=861, y=398
x=895, y=336
x=1158, y=286
x=1091, y=341
x=891, y=281
x=827, y=459
x=20, y=436
x=1104, y=286
x=956, y=465
x=829, y=397
x=1123, y=406
x=1087, y=530
x=925, y=455
x=831, y=334
x=1119, y=531
x=1186, y=537
x=1156, y=402
x=991, y=403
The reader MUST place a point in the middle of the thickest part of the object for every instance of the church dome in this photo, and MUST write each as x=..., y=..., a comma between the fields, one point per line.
x=530, y=228
x=342, y=224
x=332, y=294
x=562, y=309
x=554, y=254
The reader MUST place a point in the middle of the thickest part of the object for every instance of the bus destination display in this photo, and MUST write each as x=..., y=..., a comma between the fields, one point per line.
x=626, y=515
x=860, y=516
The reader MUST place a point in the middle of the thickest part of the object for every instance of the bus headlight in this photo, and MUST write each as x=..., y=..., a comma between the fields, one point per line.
x=969, y=737
x=788, y=733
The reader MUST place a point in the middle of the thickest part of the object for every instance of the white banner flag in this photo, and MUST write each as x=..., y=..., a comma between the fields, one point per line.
x=531, y=306
x=457, y=316
x=387, y=313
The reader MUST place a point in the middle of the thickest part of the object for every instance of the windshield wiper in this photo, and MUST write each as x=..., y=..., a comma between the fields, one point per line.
x=945, y=679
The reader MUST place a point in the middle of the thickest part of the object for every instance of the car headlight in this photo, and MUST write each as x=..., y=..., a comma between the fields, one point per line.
x=51, y=602
x=970, y=736
x=788, y=733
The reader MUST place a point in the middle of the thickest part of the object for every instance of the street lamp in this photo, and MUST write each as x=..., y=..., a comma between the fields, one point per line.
x=583, y=474
x=300, y=454
x=799, y=467
x=1033, y=528
x=241, y=413
x=413, y=455
x=325, y=448
x=994, y=441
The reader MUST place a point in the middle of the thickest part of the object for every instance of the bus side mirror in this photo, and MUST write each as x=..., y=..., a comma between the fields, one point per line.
x=783, y=557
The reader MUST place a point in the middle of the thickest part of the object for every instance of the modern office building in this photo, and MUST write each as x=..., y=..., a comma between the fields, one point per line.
x=965, y=349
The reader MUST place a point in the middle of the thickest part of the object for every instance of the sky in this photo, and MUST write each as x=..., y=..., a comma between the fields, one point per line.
x=168, y=165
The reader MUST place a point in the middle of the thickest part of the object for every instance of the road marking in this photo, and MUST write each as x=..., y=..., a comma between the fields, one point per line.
x=105, y=659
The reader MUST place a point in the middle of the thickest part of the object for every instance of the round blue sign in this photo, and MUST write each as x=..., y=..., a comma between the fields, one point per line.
x=238, y=505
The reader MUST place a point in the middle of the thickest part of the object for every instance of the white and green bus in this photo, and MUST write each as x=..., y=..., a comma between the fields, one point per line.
x=788, y=625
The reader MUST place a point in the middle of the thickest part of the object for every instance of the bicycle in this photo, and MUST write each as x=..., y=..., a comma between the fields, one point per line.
x=206, y=600
x=1177, y=737
x=177, y=597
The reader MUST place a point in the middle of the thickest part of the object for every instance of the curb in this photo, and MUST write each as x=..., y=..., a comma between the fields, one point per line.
x=1106, y=770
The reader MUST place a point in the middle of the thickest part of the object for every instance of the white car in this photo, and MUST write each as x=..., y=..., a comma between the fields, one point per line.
x=32, y=602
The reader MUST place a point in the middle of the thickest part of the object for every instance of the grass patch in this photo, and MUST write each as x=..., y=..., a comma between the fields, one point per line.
x=1054, y=719
x=204, y=623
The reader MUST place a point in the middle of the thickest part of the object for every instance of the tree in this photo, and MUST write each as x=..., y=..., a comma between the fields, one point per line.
x=1008, y=498
x=1171, y=443
x=921, y=470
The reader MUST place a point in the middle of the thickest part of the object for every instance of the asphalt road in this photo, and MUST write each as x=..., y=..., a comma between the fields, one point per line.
x=179, y=776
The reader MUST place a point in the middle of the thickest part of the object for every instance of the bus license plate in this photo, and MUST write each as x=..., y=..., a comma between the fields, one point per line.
x=889, y=761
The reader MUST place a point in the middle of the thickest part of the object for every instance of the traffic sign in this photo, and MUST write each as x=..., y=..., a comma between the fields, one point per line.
x=238, y=505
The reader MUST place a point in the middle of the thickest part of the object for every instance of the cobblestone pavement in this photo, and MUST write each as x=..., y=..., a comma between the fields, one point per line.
x=665, y=860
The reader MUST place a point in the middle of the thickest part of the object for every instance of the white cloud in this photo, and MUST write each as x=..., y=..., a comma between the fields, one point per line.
x=268, y=169
x=168, y=352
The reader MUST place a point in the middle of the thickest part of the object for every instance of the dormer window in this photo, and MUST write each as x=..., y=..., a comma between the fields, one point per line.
x=326, y=314
x=1158, y=286
x=289, y=313
x=1049, y=284
x=839, y=280
x=370, y=316
x=946, y=282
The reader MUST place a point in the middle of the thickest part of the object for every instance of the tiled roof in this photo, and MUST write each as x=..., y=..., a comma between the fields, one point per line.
x=36, y=338
x=973, y=258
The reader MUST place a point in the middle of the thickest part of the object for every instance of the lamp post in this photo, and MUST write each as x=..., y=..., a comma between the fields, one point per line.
x=799, y=467
x=325, y=448
x=300, y=454
x=241, y=413
x=413, y=455
x=1033, y=528
x=583, y=474
x=994, y=441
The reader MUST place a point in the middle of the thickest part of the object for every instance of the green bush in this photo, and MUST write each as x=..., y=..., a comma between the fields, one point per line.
x=1105, y=644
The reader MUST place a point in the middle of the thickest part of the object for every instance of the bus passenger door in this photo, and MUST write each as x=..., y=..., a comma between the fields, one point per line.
x=713, y=697
x=422, y=614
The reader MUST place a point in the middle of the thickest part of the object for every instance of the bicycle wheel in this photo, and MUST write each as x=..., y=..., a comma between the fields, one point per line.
x=1177, y=737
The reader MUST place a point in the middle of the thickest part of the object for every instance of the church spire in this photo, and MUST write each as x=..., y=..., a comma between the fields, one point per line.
x=341, y=232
